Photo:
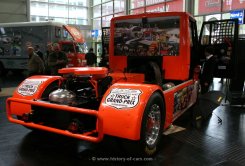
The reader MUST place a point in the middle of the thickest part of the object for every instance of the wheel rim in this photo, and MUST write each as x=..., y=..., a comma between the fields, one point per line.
x=153, y=125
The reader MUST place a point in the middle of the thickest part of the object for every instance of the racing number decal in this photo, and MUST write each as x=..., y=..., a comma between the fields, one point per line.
x=29, y=87
x=123, y=98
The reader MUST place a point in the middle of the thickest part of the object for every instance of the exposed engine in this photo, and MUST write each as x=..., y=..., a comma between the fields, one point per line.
x=80, y=91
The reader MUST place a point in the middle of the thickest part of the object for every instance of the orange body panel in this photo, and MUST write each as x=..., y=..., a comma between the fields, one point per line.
x=91, y=71
x=127, y=77
x=117, y=64
x=84, y=71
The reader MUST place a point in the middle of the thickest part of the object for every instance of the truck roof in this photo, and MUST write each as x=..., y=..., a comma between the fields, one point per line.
x=155, y=15
x=24, y=24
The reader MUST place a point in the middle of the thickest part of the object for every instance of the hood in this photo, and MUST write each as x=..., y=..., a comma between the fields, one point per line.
x=75, y=34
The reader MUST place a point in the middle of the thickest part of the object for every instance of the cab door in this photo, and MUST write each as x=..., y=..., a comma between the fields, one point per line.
x=194, y=54
x=222, y=35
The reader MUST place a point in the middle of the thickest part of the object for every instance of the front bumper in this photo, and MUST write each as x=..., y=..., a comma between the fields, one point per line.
x=92, y=136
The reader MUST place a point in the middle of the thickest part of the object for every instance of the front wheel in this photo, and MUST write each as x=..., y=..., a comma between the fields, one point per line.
x=151, y=128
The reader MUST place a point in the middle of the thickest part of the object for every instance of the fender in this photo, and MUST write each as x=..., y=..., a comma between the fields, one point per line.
x=31, y=88
x=122, y=109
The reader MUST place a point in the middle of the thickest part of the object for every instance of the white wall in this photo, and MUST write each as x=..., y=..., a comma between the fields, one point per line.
x=14, y=11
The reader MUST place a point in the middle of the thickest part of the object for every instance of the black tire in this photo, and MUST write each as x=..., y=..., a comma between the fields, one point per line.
x=153, y=73
x=148, y=143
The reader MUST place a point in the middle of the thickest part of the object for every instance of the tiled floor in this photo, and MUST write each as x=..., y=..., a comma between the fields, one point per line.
x=219, y=141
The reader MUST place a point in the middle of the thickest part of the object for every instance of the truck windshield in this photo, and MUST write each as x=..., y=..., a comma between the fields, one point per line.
x=158, y=37
x=82, y=47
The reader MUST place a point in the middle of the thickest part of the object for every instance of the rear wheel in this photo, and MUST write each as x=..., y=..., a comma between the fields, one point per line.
x=151, y=128
x=153, y=73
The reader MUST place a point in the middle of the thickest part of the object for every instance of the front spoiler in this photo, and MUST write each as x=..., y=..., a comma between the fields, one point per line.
x=85, y=136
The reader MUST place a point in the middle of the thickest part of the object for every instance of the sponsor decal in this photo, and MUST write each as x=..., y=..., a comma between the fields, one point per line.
x=123, y=98
x=183, y=98
x=29, y=87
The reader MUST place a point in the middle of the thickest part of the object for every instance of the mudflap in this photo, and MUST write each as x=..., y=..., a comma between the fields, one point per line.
x=205, y=106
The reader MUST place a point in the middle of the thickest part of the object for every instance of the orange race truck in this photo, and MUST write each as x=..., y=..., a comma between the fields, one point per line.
x=152, y=79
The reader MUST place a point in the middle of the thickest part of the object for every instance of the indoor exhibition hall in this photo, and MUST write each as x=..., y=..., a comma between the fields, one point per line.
x=122, y=82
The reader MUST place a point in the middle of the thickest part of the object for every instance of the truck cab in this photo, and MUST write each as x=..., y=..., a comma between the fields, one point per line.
x=168, y=40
